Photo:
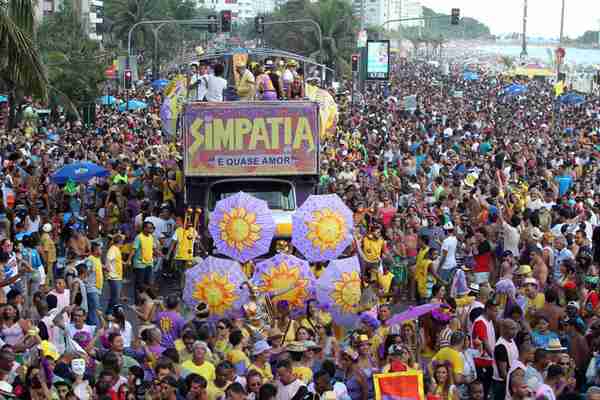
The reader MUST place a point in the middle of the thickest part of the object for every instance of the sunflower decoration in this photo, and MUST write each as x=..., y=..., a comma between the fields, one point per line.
x=216, y=291
x=338, y=290
x=285, y=277
x=239, y=229
x=322, y=228
x=242, y=227
x=327, y=229
x=346, y=293
x=287, y=280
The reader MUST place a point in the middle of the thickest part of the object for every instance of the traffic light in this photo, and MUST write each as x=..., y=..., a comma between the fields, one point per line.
x=127, y=76
x=354, y=62
x=455, y=18
x=226, y=21
x=258, y=24
x=212, y=23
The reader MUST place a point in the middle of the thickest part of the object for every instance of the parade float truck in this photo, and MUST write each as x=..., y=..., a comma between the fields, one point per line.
x=267, y=149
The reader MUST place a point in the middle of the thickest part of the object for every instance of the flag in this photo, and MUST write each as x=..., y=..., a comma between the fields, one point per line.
x=328, y=110
x=559, y=88
x=175, y=95
x=399, y=386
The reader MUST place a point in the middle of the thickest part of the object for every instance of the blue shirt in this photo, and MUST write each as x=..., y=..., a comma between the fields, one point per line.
x=564, y=184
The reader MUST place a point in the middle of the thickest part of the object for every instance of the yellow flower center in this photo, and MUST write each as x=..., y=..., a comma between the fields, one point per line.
x=213, y=294
x=239, y=229
x=329, y=229
x=350, y=294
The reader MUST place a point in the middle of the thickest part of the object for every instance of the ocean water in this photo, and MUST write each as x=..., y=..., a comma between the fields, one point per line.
x=573, y=55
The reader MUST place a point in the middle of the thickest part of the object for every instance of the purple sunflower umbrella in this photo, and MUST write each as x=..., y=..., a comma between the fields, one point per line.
x=216, y=282
x=322, y=227
x=287, y=278
x=338, y=291
x=242, y=227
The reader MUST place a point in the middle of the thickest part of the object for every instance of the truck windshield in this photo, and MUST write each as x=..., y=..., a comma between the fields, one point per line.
x=278, y=195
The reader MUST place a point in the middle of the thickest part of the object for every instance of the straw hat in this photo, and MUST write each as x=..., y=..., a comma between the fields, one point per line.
x=296, y=347
x=555, y=346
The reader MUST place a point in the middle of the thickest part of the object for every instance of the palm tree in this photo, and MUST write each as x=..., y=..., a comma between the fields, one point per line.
x=338, y=27
x=507, y=61
x=124, y=14
x=21, y=69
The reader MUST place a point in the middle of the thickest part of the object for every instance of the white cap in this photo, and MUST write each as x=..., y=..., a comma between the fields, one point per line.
x=47, y=228
x=448, y=226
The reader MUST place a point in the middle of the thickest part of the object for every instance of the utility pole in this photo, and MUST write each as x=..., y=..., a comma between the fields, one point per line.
x=524, y=43
x=562, y=21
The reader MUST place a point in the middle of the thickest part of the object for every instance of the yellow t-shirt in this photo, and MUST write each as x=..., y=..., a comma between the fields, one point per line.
x=266, y=371
x=214, y=392
x=146, y=248
x=97, y=265
x=205, y=370
x=184, y=355
x=115, y=261
x=385, y=281
x=303, y=373
x=422, y=271
x=49, y=247
x=453, y=357
x=239, y=359
x=184, y=250
x=372, y=249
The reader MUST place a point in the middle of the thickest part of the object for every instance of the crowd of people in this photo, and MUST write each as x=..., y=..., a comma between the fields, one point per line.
x=482, y=203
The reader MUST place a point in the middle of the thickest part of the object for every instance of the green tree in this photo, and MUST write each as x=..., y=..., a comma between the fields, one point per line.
x=21, y=68
x=507, y=61
x=74, y=61
x=589, y=38
x=124, y=14
x=337, y=24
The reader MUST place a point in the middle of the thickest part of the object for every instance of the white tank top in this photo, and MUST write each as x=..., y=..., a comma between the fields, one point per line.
x=513, y=356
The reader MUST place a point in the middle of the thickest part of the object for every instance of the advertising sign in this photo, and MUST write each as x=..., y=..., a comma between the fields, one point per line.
x=251, y=138
x=378, y=59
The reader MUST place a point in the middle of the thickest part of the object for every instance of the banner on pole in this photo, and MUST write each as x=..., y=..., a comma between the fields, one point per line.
x=399, y=385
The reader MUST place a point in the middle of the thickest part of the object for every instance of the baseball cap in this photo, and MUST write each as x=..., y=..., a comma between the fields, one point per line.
x=260, y=347
x=573, y=304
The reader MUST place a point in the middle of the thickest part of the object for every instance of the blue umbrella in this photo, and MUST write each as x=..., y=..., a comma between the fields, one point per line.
x=133, y=105
x=106, y=100
x=3, y=99
x=160, y=83
x=80, y=172
x=515, y=89
x=571, y=99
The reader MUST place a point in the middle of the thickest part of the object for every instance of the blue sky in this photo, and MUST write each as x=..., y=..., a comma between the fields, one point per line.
x=544, y=15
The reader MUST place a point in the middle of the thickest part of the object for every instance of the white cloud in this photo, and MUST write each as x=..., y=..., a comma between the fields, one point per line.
x=543, y=15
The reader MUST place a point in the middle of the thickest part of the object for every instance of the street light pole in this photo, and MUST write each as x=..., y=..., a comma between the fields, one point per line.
x=524, y=42
x=303, y=20
x=163, y=22
x=156, y=64
x=562, y=21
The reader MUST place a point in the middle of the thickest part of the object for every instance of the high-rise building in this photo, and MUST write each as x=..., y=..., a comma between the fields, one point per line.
x=377, y=12
x=92, y=16
x=91, y=13
x=242, y=9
